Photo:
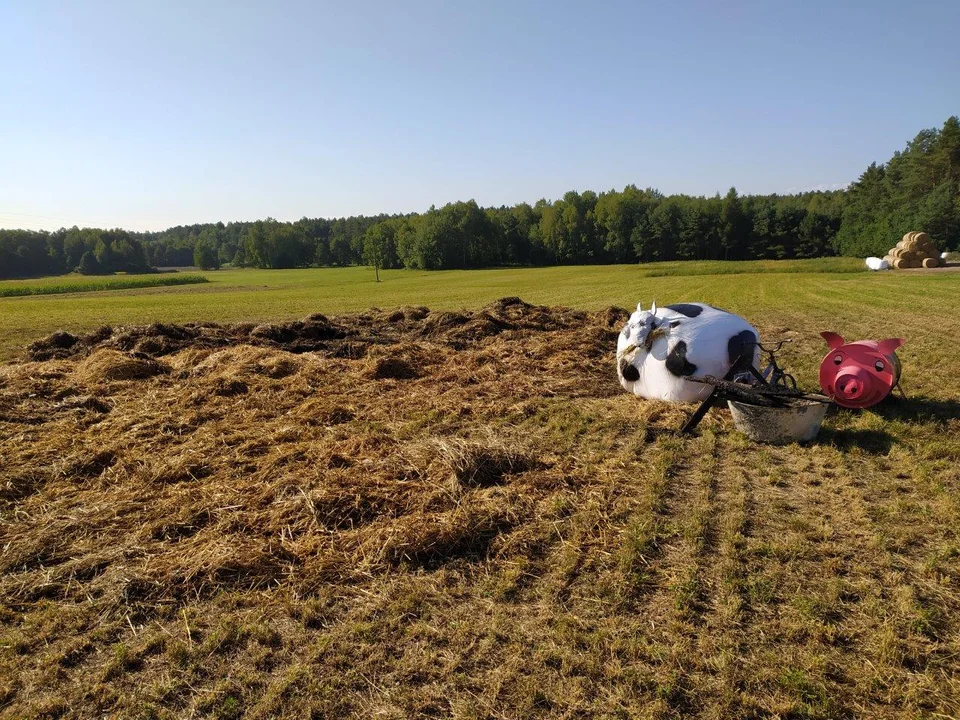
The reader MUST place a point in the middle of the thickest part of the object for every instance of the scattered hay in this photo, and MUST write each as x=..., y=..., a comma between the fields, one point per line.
x=429, y=540
x=404, y=361
x=442, y=322
x=498, y=530
x=86, y=402
x=614, y=317
x=111, y=365
x=233, y=364
x=391, y=368
x=348, y=336
x=53, y=346
x=475, y=464
x=85, y=465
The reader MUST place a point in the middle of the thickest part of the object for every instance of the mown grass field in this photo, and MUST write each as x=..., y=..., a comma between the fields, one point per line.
x=436, y=514
x=269, y=295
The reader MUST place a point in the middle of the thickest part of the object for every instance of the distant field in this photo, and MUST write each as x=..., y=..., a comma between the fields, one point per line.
x=242, y=294
x=719, y=267
x=79, y=283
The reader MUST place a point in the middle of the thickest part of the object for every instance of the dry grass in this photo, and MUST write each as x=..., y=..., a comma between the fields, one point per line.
x=432, y=514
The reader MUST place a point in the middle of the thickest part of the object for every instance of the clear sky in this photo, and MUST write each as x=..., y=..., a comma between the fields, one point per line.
x=144, y=114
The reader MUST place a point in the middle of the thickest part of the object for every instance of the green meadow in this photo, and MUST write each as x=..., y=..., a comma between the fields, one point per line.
x=825, y=286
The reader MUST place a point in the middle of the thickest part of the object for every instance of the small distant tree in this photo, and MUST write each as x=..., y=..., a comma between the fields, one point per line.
x=376, y=242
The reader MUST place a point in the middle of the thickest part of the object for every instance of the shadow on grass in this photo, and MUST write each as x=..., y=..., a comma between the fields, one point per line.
x=874, y=442
x=918, y=409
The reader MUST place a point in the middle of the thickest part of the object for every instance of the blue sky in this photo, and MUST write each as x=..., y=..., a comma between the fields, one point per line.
x=150, y=114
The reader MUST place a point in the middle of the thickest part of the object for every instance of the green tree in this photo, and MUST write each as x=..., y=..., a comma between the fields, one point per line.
x=377, y=242
x=88, y=264
x=206, y=255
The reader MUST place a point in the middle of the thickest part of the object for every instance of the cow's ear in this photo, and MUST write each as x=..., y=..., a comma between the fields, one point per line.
x=833, y=340
x=887, y=347
x=653, y=308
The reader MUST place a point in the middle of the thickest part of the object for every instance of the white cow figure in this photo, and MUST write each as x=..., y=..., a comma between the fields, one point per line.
x=659, y=348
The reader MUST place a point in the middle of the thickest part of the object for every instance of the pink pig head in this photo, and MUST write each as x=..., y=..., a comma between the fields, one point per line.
x=859, y=374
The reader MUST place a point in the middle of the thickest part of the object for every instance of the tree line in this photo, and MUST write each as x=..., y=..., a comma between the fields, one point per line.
x=91, y=251
x=919, y=188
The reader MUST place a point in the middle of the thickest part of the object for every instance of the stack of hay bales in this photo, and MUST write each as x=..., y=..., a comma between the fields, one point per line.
x=914, y=251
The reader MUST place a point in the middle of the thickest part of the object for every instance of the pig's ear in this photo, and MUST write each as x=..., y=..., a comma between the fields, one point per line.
x=833, y=340
x=887, y=347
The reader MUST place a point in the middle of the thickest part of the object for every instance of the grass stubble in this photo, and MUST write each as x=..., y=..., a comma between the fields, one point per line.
x=432, y=514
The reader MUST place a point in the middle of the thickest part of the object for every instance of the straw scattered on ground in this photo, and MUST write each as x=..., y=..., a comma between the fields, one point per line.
x=407, y=513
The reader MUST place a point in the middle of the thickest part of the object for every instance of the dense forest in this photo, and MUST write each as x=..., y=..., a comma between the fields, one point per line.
x=918, y=189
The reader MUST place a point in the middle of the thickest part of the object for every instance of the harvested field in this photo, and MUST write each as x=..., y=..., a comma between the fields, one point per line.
x=414, y=513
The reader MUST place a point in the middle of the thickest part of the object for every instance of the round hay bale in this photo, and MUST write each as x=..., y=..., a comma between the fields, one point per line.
x=899, y=263
x=921, y=237
x=106, y=365
x=889, y=259
x=931, y=262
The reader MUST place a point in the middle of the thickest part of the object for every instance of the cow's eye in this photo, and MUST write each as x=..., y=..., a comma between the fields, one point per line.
x=837, y=359
x=879, y=365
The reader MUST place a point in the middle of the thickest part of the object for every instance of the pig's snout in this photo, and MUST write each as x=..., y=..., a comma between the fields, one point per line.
x=852, y=383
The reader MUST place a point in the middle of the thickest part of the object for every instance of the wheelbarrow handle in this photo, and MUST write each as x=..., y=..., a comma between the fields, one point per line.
x=698, y=414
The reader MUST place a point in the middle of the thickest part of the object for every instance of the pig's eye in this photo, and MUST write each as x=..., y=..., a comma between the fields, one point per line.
x=879, y=365
x=837, y=359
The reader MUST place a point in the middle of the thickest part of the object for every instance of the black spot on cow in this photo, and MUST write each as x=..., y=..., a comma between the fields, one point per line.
x=691, y=311
x=674, y=324
x=677, y=362
x=629, y=372
x=740, y=350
